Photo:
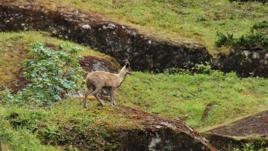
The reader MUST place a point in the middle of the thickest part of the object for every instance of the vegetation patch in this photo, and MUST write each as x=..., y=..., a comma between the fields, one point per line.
x=257, y=40
x=248, y=54
x=263, y=1
x=186, y=96
x=14, y=51
x=75, y=129
x=51, y=74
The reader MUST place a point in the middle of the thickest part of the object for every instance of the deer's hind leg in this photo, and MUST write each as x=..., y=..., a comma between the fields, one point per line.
x=96, y=94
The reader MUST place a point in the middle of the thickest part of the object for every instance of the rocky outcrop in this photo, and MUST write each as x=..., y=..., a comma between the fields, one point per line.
x=160, y=134
x=147, y=133
x=119, y=41
x=249, y=130
x=91, y=63
x=245, y=63
x=152, y=134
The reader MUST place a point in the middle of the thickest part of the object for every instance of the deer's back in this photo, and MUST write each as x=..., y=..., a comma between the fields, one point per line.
x=102, y=78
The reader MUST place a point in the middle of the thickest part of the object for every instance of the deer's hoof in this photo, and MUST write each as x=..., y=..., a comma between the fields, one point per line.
x=85, y=106
x=101, y=104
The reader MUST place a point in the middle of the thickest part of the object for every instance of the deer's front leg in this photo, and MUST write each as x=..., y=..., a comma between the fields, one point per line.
x=112, y=97
x=85, y=99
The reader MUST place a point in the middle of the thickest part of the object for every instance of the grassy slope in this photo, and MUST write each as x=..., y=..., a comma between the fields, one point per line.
x=186, y=96
x=180, y=19
x=178, y=95
x=12, y=52
x=36, y=124
x=13, y=48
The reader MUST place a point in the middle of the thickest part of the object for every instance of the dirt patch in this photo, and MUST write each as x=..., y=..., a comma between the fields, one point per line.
x=119, y=41
x=12, y=71
x=19, y=83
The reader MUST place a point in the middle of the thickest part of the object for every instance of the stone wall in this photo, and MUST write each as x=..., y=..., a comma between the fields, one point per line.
x=245, y=63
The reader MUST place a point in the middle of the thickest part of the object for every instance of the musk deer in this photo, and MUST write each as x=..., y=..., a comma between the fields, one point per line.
x=98, y=80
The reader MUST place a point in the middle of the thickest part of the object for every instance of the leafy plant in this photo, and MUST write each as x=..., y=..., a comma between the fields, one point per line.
x=223, y=39
x=256, y=40
x=258, y=146
x=263, y=1
x=261, y=27
x=6, y=95
x=51, y=74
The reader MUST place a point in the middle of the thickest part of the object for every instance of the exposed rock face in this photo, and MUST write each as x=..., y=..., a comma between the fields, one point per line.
x=226, y=136
x=91, y=63
x=119, y=41
x=153, y=134
x=161, y=134
x=246, y=63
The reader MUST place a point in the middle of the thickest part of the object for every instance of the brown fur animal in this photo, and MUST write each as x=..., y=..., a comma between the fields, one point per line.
x=98, y=80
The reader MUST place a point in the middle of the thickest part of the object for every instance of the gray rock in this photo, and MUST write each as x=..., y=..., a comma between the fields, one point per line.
x=256, y=55
x=86, y=26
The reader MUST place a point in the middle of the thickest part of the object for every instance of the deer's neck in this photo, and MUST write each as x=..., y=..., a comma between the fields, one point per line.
x=122, y=75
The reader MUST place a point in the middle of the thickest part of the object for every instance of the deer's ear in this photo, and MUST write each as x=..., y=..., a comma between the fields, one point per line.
x=127, y=65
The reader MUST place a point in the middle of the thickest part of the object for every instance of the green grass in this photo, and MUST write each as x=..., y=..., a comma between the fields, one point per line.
x=186, y=96
x=172, y=95
x=13, y=47
x=169, y=95
x=54, y=125
x=187, y=20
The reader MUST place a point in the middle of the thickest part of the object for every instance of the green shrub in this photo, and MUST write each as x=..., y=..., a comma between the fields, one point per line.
x=263, y=1
x=257, y=146
x=51, y=74
x=257, y=39
x=261, y=27
x=6, y=96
